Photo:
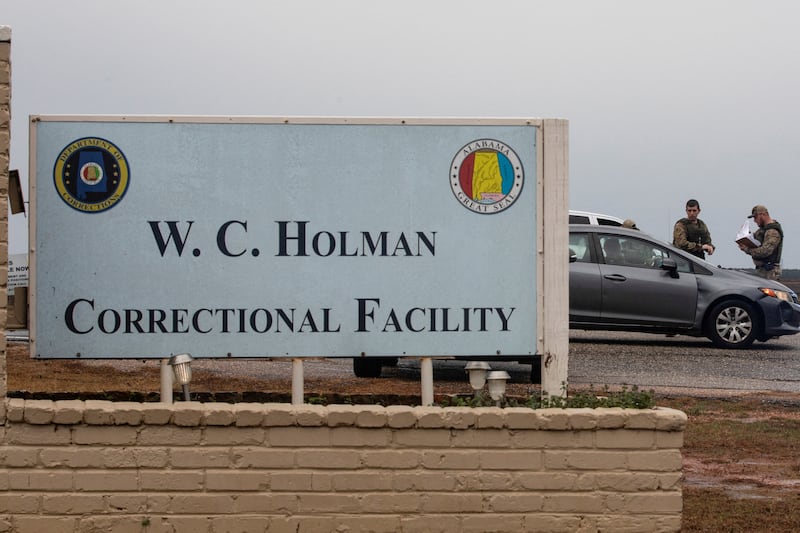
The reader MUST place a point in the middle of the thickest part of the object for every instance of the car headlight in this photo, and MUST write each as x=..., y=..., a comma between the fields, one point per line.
x=780, y=295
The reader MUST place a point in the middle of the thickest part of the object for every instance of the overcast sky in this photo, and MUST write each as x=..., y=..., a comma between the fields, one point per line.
x=666, y=100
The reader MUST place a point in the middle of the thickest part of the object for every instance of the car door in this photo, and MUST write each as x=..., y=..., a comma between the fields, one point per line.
x=636, y=290
x=584, y=280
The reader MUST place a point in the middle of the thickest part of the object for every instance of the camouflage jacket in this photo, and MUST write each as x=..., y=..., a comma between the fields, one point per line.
x=771, y=237
x=691, y=237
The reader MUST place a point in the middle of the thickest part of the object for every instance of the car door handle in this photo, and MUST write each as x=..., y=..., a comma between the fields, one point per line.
x=615, y=277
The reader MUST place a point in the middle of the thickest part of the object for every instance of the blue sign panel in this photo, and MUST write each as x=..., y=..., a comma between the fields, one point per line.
x=267, y=238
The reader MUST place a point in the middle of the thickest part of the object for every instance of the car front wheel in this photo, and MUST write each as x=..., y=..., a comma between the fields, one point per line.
x=733, y=324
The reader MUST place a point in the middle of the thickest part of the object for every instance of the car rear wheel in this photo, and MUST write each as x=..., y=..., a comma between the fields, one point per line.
x=733, y=324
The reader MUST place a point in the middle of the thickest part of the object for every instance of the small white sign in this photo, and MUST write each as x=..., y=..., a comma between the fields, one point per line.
x=17, y=271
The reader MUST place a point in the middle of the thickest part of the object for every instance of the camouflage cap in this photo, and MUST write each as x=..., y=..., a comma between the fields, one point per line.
x=758, y=210
x=628, y=223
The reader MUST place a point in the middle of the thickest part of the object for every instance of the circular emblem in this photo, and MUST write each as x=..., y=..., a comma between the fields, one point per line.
x=91, y=174
x=486, y=176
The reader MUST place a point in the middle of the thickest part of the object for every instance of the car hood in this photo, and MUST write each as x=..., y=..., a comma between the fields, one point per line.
x=750, y=280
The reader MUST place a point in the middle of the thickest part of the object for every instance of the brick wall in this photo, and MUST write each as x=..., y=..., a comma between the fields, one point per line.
x=190, y=467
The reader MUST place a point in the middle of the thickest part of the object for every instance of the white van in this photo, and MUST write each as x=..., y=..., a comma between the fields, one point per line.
x=586, y=217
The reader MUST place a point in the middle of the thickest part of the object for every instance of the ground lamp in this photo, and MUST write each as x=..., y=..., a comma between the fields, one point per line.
x=182, y=366
x=477, y=371
x=497, y=384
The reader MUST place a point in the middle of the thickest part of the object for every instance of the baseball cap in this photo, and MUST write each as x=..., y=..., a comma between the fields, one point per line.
x=757, y=210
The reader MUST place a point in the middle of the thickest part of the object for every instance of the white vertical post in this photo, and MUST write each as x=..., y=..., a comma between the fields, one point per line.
x=426, y=375
x=166, y=381
x=297, y=382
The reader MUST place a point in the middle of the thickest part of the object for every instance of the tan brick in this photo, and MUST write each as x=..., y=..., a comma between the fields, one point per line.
x=467, y=460
x=434, y=481
x=372, y=416
x=104, y=435
x=321, y=458
x=310, y=415
x=400, y=416
x=18, y=503
x=236, y=480
x=38, y=412
x=642, y=419
x=169, y=435
x=204, y=504
x=669, y=439
x=157, y=414
x=240, y=524
x=342, y=415
x=70, y=457
x=511, y=459
x=218, y=414
x=19, y=457
x=39, y=480
x=38, y=435
x=661, y=502
x=172, y=524
x=521, y=418
x=430, y=418
x=351, y=436
x=670, y=419
x=584, y=460
x=98, y=412
x=265, y=503
x=37, y=524
x=291, y=481
x=488, y=438
x=574, y=503
x=544, y=522
x=622, y=439
x=72, y=503
x=170, y=480
x=659, y=461
x=374, y=524
x=432, y=523
x=556, y=481
x=262, y=458
x=127, y=413
x=100, y=480
x=278, y=415
x=248, y=414
x=426, y=438
x=188, y=414
x=202, y=457
x=370, y=481
x=452, y=503
x=127, y=503
x=327, y=503
x=298, y=437
x=552, y=439
x=479, y=523
x=234, y=436
x=134, y=457
x=391, y=459
x=68, y=412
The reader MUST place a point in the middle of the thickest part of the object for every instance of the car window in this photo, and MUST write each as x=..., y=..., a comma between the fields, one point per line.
x=606, y=222
x=579, y=245
x=633, y=252
x=578, y=219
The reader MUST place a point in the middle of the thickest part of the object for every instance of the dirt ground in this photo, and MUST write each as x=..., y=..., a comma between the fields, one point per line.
x=739, y=466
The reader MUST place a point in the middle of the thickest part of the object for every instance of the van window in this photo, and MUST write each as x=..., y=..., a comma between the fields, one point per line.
x=606, y=222
x=578, y=219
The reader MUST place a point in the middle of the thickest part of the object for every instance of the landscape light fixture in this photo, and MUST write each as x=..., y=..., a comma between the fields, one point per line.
x=182, y=366
x=497, y=384
x=477, y=371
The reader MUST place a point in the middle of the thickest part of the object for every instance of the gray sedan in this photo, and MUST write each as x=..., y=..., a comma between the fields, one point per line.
x=621, y=279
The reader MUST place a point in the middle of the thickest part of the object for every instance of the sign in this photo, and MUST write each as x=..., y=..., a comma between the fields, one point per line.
x=266, y=237
x=17, y=271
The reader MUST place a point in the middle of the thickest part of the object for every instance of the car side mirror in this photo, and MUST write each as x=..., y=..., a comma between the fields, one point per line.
x=572, y=256
x=670, y=266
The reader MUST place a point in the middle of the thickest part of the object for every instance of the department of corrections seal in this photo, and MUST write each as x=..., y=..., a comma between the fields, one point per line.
x=486, y=176
x=91, y=174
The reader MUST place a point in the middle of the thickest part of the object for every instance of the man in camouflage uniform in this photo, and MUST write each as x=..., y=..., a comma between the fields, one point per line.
x=692, y=234
x=767, y=257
